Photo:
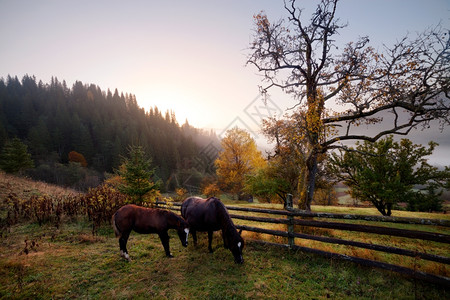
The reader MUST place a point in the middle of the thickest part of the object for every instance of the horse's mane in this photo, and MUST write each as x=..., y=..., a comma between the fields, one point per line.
x=222, y=214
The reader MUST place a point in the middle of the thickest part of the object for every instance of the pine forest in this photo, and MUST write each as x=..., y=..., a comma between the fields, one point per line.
x=58, y=124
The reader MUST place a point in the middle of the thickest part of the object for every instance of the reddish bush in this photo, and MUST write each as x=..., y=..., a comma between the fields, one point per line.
x=78, y=158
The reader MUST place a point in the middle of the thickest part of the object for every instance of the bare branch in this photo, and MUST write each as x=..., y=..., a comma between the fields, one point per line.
x=409, y=81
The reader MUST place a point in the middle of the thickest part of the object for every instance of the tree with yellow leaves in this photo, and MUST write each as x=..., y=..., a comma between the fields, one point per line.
x=404, y=86
x=239, y=158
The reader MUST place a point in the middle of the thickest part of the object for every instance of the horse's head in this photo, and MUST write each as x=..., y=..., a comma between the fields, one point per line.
x=236, y=247
x=183, y=232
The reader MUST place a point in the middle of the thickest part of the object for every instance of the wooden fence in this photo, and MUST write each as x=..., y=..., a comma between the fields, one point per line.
x=293, y=217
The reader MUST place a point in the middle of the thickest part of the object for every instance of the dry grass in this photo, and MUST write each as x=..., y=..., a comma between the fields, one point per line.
x=405, y=243
x=25, y=188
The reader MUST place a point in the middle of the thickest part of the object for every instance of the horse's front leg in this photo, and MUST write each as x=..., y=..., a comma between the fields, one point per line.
x=210, y=236
x=164, y=237
x=225, y=242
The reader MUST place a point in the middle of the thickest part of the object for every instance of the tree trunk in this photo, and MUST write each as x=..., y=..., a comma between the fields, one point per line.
x=389, y=207
x=308, y=183
x=382, y=207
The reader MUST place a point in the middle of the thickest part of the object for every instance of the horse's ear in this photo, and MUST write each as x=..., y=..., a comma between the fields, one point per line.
x=240, y=231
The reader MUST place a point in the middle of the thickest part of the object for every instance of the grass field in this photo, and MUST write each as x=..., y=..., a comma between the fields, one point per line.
x=70, y=262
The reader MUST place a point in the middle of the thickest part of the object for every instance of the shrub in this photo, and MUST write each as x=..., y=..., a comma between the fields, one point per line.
x=77, y=158
x=37, y=208
x=101, y=203
x=181, y=194
x=98, y=204
x=211, y=190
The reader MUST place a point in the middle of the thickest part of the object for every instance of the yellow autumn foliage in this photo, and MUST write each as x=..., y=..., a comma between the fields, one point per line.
x=239, y=158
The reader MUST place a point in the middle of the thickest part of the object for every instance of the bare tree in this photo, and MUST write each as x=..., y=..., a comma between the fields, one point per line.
x=409, y=82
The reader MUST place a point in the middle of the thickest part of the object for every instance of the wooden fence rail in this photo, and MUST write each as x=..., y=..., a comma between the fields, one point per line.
x=387, y=249
x=299, y=213
x=290, y=234
x=424, y=235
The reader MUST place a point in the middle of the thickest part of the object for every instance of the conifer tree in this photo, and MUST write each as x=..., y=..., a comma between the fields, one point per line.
x=15, y=157
x=136, y=173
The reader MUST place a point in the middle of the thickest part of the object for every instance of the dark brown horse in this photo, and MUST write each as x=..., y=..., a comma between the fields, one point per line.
x=211, y=215
x=147, y=220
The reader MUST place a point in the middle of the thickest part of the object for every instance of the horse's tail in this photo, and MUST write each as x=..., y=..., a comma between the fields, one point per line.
x=116, y=230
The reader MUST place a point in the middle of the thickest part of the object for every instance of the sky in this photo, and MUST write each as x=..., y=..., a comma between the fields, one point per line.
x=184, y=56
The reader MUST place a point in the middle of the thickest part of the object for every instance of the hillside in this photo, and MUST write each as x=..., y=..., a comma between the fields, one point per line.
x=24, y=187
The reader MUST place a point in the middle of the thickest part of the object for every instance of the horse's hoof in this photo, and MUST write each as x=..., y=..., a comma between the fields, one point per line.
x=127, y=257
x=170, y=255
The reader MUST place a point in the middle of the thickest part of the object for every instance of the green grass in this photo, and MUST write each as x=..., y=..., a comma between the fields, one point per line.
x=71, y=263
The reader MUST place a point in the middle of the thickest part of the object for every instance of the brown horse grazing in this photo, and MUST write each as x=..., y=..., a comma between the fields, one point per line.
x=211, y=215
x=147, y=220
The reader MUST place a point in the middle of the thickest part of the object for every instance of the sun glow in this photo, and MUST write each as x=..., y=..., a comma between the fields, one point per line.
x=165, y=99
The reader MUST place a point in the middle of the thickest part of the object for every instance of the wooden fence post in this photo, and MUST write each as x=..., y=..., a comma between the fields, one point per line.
x=290, y=226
